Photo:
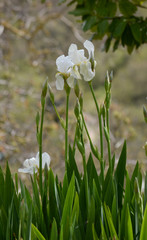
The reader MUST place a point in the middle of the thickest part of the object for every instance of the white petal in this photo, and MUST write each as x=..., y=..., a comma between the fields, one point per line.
x=90, y=48
x=71, y=81
x=59, y=82
x=45, y=159
x=86, y=71
x=63, y=63
x=29, y=162
x=74, y=72
x=27, y=170
x=76, y=56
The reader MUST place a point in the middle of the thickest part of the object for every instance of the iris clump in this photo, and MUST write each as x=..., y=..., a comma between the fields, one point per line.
x=98, y=204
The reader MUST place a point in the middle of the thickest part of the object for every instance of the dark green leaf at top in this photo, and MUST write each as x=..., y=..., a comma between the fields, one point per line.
x=89, y=23
x=127, y=8
x=136, y=31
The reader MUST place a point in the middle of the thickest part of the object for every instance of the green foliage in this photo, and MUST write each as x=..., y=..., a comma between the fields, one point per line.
x=119, y=21
x=61, y=213
x=89, y=205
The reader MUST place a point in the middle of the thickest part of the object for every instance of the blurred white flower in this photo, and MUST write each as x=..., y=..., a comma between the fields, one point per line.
x=64, y=65
x=32, y=165
x=71, y=67
x=76, y=56
x=86, y=71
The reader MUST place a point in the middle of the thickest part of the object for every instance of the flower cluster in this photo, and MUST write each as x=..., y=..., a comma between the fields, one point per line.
x=75, y=66
x=32, y=165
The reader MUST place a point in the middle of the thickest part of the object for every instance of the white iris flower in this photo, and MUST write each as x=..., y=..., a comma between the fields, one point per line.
x=32, y=165
x=71, y=67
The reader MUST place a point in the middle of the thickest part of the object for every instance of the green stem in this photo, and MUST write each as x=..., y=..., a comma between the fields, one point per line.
x=86, y=129
x=60, y=119
x=100, y=130
x=108, y=142
x=74, y=143
x=40, y=146
x=99, y=118
x=66, y=131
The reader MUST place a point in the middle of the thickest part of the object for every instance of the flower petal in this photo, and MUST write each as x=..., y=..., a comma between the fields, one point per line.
x=74, y=72
x=30, y=170
x=90, y=48
x=76, y=56
x=63, y=63
x=59, y=82
x=45, y=159
x=29, y=162
x=71, y=81
x=86, y=71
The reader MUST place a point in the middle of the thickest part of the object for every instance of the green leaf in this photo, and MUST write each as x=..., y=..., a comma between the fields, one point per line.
x=103, y=233
x=54, y=231
x=115, y=212
x=67, y=210
x=52, y=198
x=102, y=28
x=36, y=233
x=75, y=211
x=92, y=174
x=127, y=8
x=106, y=8
x=9, y=228
x=8, y=189
x=128, y=226
x=136, y=31
x=116, y=44
x=111, y=8
x=120, y=174
x=143, y=233
x=107, y=44
x=95, y=237
x=91, y=219
x=145, y=190
x=110, y=223
x=72, y=167
x=1, y=187
x=29, y=220
x=127, y=201
x=89, y=23
x=80, y=12
x=119, y=28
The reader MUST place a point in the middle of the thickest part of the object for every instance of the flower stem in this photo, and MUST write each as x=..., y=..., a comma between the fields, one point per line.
x=74, y=143
x=40, y=145
x=108, y=142
x=99, y=117
x=66, y=130
x=100, y=129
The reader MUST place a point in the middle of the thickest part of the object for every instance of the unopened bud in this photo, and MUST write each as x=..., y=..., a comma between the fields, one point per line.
x=81, y=100
x=77, y=109
x=51, y=94
x=145, y=114
x=94, y=150
x=44, y=89
x=80, y=146
x=77, y=90
x=111, y=76
x=103, y=112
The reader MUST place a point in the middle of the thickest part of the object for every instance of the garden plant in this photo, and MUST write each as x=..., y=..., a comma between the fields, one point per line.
x=101, y=202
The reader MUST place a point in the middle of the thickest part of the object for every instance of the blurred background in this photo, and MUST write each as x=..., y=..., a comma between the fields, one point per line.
x=32, y=36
